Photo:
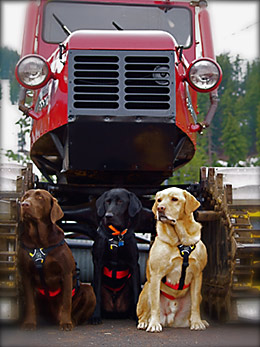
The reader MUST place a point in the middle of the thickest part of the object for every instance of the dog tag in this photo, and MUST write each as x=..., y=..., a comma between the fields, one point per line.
x=121, y=243
x=113, y=244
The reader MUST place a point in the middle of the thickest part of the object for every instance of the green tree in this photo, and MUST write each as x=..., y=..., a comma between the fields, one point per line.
x=234, y=142
x=8, y=61
x=190, y=172
x=14, y=90
x=251, y=101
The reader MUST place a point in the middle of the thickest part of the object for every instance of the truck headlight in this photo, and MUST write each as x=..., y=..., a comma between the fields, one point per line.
x=33, y=71
x=204, y=75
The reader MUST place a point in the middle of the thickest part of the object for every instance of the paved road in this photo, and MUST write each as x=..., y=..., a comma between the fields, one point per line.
x=124, y=333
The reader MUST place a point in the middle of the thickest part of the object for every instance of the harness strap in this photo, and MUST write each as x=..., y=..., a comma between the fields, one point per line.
x=54, y=293
x=168, y=290
x=168, y=296
x=185, y=252
x=116, y=280
x=116, y=274
x=115, y=289
x=38, y=255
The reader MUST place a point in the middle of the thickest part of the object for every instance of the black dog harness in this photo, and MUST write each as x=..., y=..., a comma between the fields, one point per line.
x=38, y=255
x=185, y=252
x=115, y=277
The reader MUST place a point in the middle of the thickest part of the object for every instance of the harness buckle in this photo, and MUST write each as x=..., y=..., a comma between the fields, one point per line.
x=185, y=252
x=38, y=256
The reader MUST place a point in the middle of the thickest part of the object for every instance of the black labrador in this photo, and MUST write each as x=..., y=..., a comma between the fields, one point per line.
x=115, y=255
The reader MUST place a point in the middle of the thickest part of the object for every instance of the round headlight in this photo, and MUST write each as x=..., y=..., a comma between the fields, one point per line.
x=204, y=75
x=33, y=71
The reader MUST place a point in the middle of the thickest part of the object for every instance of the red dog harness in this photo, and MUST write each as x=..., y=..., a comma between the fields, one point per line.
x=53, y=293
x=117, y=275
x=185, y=252
x=175, y=287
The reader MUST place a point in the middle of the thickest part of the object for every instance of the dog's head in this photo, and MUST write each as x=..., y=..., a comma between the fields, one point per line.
x=117, y=207
x=38, y=204
x=173, y=204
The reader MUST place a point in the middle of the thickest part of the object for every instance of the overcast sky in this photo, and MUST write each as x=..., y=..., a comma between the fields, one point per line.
x=235, y=26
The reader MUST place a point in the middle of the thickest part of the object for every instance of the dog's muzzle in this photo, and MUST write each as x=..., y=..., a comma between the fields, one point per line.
x=162, y=217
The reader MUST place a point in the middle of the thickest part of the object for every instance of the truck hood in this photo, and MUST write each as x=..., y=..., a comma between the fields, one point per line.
x=120, y=40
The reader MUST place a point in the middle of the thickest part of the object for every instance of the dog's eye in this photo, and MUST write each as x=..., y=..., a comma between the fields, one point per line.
x=24, y=197
x=174, y=199
x=159, y=200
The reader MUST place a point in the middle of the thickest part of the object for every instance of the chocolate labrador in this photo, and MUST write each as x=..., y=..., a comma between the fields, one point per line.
x=115, y=255
x=47, y=267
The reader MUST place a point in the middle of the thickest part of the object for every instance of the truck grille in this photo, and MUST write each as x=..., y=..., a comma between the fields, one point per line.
x=121, y=83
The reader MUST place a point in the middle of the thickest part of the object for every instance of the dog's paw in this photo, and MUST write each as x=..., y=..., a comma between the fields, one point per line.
x=95, y=320
x=66, y=326
x=30, y=326
x=199, y=325
x=154, y=327
x=142, y=326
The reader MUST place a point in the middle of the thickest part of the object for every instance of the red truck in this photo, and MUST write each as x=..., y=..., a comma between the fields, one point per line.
x=115, y=88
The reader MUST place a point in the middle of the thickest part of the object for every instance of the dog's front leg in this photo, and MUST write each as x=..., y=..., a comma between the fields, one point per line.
x=154, y=297
x=136, y=285
x=65, y=316
x=29, y=322
x=195, y=320
x=96, y=317
x=98, y=253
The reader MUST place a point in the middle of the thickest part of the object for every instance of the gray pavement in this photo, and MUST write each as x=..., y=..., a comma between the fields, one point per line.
x=124, y=333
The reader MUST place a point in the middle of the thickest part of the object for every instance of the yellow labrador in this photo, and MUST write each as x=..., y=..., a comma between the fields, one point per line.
x=172, y=294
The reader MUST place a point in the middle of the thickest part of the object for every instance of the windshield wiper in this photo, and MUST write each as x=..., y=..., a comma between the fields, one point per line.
x=63, y=26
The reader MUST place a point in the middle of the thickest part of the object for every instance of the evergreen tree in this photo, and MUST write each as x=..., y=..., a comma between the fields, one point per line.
x=234, y=142
x=14, y=90
x=191, y=171
x=8, y=61
x=251, y=103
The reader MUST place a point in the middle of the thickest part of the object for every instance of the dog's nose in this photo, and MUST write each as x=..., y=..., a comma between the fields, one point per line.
x=161, y=208
x=25, y=204
x=109, y=215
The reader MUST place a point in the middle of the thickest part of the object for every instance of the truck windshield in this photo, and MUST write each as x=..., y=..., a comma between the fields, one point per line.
x=101, y=16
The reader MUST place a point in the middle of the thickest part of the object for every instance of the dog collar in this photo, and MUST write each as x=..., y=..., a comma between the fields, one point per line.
x=120, y=235
x=116, y=231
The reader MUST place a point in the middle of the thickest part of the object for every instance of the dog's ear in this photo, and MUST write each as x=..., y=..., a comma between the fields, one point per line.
x=154, y=208
x=191, y=203
x=135, y=205
x=100, y=205
x=56, y=211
